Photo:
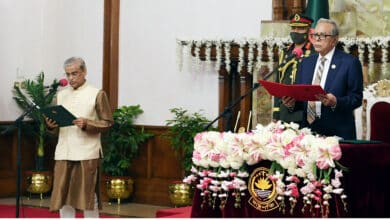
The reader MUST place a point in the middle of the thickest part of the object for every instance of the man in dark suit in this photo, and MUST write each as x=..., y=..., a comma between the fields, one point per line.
x=340, y=75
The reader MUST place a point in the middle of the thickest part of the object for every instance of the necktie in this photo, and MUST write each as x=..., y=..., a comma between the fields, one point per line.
x=311, y=106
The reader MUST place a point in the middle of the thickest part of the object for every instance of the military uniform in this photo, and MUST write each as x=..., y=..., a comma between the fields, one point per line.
x=288, y=68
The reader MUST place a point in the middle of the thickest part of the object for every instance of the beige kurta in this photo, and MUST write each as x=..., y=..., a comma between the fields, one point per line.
x=77, y=181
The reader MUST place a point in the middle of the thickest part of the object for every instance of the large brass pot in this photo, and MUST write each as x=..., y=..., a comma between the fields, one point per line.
x=180, y=194
x=38, y=182
x=119, y=188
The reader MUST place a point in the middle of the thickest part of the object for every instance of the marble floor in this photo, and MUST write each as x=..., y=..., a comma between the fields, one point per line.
x=125, y=210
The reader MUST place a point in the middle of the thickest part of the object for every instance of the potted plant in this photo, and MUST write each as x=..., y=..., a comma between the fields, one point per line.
x=121, y=145
x=30, y=93
x=181, y=132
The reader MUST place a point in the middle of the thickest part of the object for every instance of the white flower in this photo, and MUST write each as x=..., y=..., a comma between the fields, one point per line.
x=242, y=174
x=328, y=188
x=297, y=152
x=336, y=182
x=338, y=173
x=223, y=174
x=338, y=191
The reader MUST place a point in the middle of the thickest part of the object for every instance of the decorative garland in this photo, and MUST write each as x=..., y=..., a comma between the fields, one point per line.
x=218, y=48
x=280, y=43
x=251, y=46
x=227, y=56
x=179, y=54
x=241, y=55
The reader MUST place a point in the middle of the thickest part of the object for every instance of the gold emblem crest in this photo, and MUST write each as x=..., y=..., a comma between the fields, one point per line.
x=297, y=17
x=262, y=190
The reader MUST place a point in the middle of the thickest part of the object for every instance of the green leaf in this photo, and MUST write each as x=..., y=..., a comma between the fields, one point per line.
x=183, y=127
x=121, y=142
x=35, y=91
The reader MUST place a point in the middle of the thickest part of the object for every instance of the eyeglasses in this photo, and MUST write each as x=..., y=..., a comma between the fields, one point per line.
x=320, y=36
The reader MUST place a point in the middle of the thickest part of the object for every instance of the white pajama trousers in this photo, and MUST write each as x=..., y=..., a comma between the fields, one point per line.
x=68, y=211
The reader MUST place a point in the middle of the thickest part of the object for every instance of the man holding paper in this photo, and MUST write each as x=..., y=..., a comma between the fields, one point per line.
x=340, y=74
x=77, y=154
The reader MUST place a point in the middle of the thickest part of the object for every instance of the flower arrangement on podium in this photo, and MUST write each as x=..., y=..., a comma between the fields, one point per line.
x=303, y=164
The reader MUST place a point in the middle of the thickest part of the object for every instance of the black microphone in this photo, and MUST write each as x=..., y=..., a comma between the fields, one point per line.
x=61, y=82
x=33, y=103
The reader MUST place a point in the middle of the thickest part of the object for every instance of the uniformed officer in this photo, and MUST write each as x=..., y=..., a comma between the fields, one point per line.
x=289, y=59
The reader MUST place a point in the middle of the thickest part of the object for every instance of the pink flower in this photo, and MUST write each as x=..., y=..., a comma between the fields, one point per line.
x=230, y=185
x=287, y=149
x=205, y=173
x=316, y=198
x=196, y=155
x=273, y=178
x=317, y=184
x=215, y=156
x=322, y=164
x=301, y=162
x=278, y=130
x=198, y=137
x=293, y=179
x=335, y=152
x=294, y=190
x=298, y=138
x=308, y=188
x=205, y=182
x=318, y=192
x=326, y=155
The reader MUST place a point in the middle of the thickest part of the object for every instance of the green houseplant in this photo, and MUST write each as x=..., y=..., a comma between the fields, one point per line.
x=121, y=145
x=181, y=132
x=121, y=142
x=34, y=92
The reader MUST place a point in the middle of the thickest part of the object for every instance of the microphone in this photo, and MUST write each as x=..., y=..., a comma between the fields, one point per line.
x=62, y=82
x=297, y=52
x=33, y=103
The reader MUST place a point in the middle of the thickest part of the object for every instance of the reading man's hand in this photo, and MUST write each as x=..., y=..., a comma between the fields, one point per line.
x=50, y=123
x=327, y=99
x=80, y=122
x=288, y=102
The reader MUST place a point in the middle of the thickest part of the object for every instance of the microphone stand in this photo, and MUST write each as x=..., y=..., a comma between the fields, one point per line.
x=18, y=123
x=227, y=113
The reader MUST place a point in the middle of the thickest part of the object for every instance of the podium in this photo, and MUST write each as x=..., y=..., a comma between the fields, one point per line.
x=363, y=185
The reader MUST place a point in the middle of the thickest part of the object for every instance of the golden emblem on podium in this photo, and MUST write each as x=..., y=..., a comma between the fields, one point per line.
x=262, y=190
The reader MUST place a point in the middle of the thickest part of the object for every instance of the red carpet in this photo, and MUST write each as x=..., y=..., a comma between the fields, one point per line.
x=8, y=211
x=183, y=212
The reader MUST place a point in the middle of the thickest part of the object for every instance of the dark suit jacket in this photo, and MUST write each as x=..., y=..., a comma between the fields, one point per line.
x=345, y=81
